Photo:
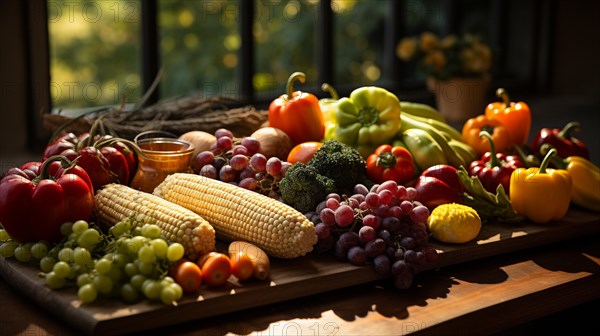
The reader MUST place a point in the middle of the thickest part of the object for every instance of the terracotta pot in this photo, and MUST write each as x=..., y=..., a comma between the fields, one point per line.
x=459, y=99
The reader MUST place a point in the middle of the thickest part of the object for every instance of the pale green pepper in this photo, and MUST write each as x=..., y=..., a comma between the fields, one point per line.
x=370, y=117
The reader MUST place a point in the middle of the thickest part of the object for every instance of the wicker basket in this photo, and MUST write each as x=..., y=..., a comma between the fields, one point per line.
x=177, y=116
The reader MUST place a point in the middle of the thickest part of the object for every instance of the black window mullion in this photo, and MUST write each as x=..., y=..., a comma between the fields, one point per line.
x=324, y=43
x=150, y=52
x=246, y=51
x=391, y=63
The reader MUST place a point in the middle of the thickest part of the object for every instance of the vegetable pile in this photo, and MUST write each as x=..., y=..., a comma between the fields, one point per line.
x=367, y=178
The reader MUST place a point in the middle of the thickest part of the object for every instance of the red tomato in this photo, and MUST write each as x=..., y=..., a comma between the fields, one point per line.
x=188, y=275
x=216, y=268
x=242, y=266
x=303, y=152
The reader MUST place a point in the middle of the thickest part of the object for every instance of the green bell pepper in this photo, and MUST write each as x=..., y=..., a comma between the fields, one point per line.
x=370, y=117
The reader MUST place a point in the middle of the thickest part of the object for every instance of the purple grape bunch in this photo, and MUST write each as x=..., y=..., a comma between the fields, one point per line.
x=383, y=226
x=238, y=161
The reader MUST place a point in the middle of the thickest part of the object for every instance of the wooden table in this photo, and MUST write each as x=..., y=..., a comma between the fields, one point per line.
x=499, y=294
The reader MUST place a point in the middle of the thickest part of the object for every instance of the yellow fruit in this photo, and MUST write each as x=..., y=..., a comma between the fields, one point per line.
x=454, y=223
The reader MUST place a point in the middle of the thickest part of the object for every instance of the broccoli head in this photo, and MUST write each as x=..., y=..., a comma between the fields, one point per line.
x=341, y=163
x=303, y=187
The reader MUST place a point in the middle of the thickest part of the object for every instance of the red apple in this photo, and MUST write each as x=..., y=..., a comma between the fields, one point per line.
x=432, y=192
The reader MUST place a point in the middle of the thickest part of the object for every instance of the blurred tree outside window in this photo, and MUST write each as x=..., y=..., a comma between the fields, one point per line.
x=359, y=28
x=199, y=44
x=94, y=48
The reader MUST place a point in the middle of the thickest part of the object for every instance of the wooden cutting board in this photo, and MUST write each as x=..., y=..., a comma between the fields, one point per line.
x=289, y=279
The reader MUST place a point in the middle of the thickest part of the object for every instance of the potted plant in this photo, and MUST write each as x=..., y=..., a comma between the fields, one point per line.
x=457, y=70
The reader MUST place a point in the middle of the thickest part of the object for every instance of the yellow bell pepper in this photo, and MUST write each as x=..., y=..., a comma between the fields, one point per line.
x=541, y=194
x=586, y=180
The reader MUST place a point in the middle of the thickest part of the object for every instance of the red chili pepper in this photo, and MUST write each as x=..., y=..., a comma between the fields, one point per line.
x=494, y=168
x=34, y=209
x=390, y=163
x=565, y=143
x=298, y=113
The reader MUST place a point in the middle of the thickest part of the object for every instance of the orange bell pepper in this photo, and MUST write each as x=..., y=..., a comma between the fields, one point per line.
x=516, y=117
x=473, y=127
x=298, y=113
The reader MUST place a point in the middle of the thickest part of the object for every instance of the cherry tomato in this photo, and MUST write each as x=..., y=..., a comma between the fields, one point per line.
x=188, y=275
x=303, y=152
x=216, y=268
x=242, y=266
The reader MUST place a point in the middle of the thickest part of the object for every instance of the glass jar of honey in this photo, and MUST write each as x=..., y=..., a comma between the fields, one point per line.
x=159, y=157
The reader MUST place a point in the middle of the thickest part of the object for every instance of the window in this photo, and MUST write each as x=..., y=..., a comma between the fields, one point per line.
x=106, y=52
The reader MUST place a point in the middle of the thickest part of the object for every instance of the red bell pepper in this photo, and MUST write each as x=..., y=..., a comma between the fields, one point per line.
x=494, y=168
x=34, y=209
x=298, y=113
x=565, y=143
x=390, y=163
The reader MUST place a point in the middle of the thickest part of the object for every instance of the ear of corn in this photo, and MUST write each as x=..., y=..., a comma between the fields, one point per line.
x=116, y=202
x=240, y=214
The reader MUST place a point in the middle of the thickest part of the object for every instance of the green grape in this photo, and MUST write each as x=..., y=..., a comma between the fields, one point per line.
x=4, y=235
x=137, y=281
x=89, y=238
x=151, y=289
x=175, y=251
x=145, y=267
x=82, y=257
x=136, y=243
x=103, y=266
x=47, y=264
x=84, y=279
x=151, y=231
x=166, y=280
x=61, y=269
x=118, y=229
x=87, y=293
x=23, y=253
x=137, y=232
x=178, y=290
x=146, y=254
x=75, y=271
x=39, y=250
x=131, y=269
x=115, y=274
x=120, y=259
x=7, y=249
x=54, y=281
x=80, y=226
x=103, y=283
x=129, y=294
x=168, y=295
x=66, y=254
x=160, y=248
x=66, y=228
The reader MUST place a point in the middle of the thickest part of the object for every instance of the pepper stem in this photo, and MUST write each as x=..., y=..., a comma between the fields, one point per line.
x=557, y=161
x=494, y=162
x=546, y=160
x=45, y=169
x=501, y=93
x=566, y=131
x=386, y=160
x=331, y=90
x=300, y=76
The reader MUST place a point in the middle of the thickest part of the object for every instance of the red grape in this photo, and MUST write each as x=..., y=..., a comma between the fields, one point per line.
x=419, y=214
x=332, y=203
x=252, y=144
x=227, y=174
x=322, y=230
x=385, y=197
x=411, y=193
x=258, y=162
x=204, y=158
x=208, y=171
x=344, y=215
x=249, y=183
x=375, y=247
x=273, y=166
x=240, y=150
x=224, y=143
x=390, y=185
x=357, y=256
x=366, y=234
x=372, y=221
x=372, y=200
x=222, y=132
x=361, y=189
x=238, y=162
x=327, y=216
